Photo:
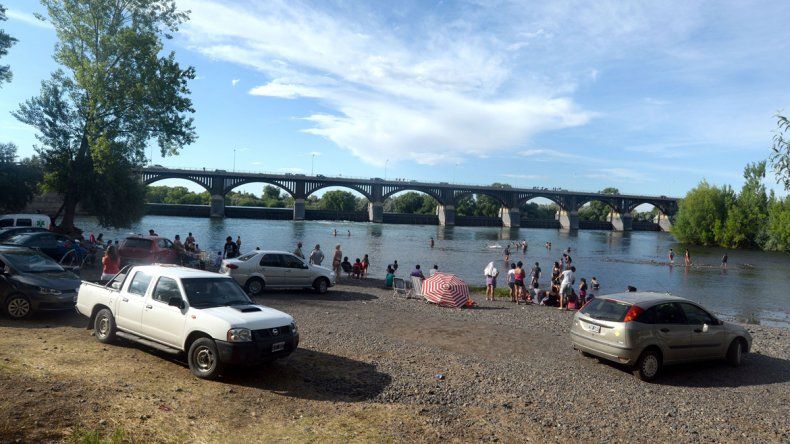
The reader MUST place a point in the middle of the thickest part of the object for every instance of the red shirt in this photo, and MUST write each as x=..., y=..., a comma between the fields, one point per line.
x=110, y=266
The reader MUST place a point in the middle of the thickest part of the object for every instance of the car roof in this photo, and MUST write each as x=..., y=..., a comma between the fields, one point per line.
x=644, y=298
x=267, y=252
x=140, y=236
x=9, y=248
x=176, y=271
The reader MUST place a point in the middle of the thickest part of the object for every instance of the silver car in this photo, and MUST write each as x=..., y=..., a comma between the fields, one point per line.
x=648, y=330
x=276, y=269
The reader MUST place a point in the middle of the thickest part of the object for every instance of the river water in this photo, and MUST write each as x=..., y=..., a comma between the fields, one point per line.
x=755, y=288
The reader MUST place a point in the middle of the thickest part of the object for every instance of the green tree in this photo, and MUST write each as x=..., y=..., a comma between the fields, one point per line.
x=487, y=205
x=702, y=214
x=778, y=225
x=338, y=200
x=6, y=42
x=18, y=180
x=780, y=158
x=466, y=206
x=117, y=93
x=748, y=213
x=598, y=210
x=533, y=210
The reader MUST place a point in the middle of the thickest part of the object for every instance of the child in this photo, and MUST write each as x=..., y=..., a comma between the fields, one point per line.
x=511, y=282
x=536, y=291
x=595, y=284
x=365, y=265
x=582, y=291
x=390, y=277
x=357, y=269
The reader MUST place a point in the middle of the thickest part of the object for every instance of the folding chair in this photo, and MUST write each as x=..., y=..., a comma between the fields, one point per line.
x=416, y=287
x=400, y=288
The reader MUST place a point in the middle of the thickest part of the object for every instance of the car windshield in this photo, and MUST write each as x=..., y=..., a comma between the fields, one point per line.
x=213, y=292
x=31, y=262
x=247, y=257
x=606, y=310
x=18, y=239
x=136, y=242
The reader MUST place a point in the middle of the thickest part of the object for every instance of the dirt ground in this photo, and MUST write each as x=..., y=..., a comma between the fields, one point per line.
x=374, y=369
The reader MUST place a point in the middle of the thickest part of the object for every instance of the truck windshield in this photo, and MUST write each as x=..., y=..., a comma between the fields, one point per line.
x=213, y=292
x=31, y=262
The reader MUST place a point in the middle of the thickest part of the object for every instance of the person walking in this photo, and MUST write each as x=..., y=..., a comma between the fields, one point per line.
x=534, y=274
x=431, y=242
x=298, y=251
x=671, y=257
x=490, y=273
x=316, y=256
x=687, y=257
x=337, y=259
x=568, y=279
x=724, y=261
x=110, y=263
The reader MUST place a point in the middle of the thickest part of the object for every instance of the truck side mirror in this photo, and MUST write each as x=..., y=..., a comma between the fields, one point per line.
x=176, y=302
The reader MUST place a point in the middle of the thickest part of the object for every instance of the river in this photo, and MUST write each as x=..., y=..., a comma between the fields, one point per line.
x=754, y=289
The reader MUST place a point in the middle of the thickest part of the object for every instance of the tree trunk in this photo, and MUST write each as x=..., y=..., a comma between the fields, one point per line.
x=69, y=211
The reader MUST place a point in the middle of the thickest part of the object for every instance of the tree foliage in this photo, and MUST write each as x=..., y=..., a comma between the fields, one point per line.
x=598, y=210
x=411, y=203
x=6, y=42
x=777, y=236
x=702, y=214
x=18, y=180
x=780, y=158
x=338, y=200
x=114, y=95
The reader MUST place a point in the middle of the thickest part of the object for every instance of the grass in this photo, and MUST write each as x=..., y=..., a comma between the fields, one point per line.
x=502, y=292
x=98, y=436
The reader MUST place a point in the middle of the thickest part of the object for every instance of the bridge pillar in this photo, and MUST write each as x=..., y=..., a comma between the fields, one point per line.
x=664, y=222
x=446, y=215
x=621, y=221
x=511, y=217
x=298, y=209
x=217, y=205
x=569, y=220
x=376, y=212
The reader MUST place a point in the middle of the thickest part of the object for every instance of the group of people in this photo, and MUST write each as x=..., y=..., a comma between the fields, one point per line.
x=526, y=288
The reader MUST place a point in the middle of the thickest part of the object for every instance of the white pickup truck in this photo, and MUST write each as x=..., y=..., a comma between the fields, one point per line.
x=175, y=309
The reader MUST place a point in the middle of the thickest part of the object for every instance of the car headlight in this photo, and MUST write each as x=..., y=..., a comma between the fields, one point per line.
x=45, y=290
x=239, y=335
x=294, y=330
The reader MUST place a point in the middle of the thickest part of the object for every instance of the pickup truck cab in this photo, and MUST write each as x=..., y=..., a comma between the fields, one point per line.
x=181, y=310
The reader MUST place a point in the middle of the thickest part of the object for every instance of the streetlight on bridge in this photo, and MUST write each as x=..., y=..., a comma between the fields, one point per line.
x=385, y=168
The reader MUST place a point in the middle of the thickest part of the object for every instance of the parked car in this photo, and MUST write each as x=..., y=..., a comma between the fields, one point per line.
x=143, y=250
x=52, y=244
x=276, y=269
x=649, y=330
x=24, y=220
x=176, y=309
x=31, y=281
x=7, y=233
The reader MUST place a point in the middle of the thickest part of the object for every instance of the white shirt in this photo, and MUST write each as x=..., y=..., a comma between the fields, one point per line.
x=568, y=277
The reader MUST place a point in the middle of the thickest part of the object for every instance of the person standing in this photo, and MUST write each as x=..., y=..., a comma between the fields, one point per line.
x=431, y=242
x=298, y=251
x=671, y=257
x=520, y=275
x=534, y=274
x=568, y=278
x=230, y=249
x=511, y=282
x=337, y=259
x=687, y=257
x=110, y=264
x=582, y=292
x=316, y=256
x=724, y=261
x=507, y=255
x=238, y=243
x=433, y=270
x=490, y=273
x=365, y=265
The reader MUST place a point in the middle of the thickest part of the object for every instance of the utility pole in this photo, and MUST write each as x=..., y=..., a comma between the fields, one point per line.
x=385, y=168
x=312, y=164
x=234, y=160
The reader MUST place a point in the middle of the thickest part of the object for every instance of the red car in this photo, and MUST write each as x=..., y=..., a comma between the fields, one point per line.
x=140, y=250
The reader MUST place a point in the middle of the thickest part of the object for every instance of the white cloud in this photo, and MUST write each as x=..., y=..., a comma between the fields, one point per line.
x=432, y=98
x=29, y=19
x=235, y=82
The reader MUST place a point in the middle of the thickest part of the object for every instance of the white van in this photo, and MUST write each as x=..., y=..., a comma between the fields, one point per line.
x=24, y=220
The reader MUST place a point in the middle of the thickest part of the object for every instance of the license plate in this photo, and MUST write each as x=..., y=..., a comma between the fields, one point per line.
x=278, y=346
x=593, y=328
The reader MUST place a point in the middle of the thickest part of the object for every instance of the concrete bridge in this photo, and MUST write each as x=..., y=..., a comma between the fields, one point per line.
x=376, y=191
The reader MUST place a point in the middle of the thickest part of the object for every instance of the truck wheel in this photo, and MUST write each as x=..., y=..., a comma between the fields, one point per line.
x=321, y=285
x=17, y=306
x=648, y=366
x=104, y=326
x=203, y=359
x=254, y=286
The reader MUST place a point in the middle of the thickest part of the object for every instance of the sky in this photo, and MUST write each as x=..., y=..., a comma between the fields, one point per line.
x=648, y=97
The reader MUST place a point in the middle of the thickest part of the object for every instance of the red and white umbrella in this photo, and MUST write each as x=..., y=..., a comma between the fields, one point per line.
x=446, y=289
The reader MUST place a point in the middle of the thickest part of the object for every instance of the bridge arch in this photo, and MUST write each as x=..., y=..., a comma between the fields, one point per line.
x=662, y=207
x=205, y=184
x=366, y=194
x=459, y=194
x=284, y=187
x=556, y=200
x=435, y=194
x=611, y=203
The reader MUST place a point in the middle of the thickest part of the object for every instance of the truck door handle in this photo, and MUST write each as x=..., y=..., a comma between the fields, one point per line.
x=125, y=299
x=149, y=306
x=665, y=330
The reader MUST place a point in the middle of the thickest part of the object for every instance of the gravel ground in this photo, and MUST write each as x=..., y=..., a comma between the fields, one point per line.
x=368, y=370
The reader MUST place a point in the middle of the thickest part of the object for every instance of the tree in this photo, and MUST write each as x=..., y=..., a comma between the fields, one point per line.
x=338, y=200
x=6, y=42
x=598, y=210
x=466, y=206
x=702, y=214
x=412, y=203
x=532, y=210
x=778, y=225
x=116, y=94
x=780, y=158
x=487, y=205
x=18, y=180
x=748, y=213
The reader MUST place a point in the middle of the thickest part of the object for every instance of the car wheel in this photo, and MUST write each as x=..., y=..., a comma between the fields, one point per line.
x=585, y=354
x=18, y=306
x=254, y=286
x=735, y=353
x=104, y=326
x=648, y=366
x=321, y=285
x=203, y=359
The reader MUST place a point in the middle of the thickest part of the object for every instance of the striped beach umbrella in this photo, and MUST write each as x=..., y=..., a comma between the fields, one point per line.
x=446, y=289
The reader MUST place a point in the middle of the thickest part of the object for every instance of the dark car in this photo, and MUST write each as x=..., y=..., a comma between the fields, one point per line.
x=52, y=244
x=31, y=281
x=144, y=250
x=8, y=233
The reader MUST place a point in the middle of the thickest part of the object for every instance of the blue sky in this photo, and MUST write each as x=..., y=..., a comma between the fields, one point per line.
x=649, y=97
